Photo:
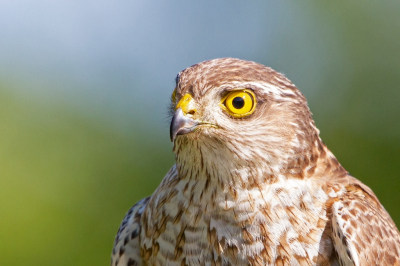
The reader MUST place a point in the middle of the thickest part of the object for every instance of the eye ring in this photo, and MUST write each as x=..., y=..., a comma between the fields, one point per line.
x=239, y=103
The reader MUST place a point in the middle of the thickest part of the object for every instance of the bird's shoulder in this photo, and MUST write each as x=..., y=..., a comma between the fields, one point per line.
x=126, y=249
x=127, y=245
x=363, y=232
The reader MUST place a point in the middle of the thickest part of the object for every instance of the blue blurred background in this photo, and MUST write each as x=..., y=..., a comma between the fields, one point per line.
x=85, y=85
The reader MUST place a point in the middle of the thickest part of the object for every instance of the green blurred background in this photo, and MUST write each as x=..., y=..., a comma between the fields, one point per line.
x=84, y=89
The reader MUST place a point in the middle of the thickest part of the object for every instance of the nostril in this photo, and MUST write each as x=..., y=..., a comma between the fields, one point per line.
x=191, y=112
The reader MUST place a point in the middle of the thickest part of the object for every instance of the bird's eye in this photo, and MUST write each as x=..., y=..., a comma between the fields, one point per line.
x=239, y=103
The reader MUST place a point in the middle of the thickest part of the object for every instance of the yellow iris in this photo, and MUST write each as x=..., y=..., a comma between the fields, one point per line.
x=239, y=103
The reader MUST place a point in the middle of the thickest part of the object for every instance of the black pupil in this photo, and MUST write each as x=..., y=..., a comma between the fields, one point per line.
x=238, y=102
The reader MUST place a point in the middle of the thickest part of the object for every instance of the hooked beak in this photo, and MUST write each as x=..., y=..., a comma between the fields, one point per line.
x=181, y=124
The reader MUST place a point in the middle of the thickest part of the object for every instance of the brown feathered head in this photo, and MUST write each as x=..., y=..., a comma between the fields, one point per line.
x=230, y=111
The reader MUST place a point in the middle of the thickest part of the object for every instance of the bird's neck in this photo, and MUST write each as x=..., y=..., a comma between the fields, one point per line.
x=224, y=167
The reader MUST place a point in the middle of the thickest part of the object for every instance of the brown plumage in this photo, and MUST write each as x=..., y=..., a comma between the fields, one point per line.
x=252, y=188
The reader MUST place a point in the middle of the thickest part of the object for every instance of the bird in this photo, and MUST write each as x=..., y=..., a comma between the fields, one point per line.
x=253, y=183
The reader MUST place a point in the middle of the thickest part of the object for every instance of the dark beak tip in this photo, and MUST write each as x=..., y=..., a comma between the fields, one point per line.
x=180, y=124
x=171, y=135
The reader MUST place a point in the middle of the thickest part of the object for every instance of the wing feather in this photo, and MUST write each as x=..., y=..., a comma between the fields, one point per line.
x=363, y=232
x=126, y=251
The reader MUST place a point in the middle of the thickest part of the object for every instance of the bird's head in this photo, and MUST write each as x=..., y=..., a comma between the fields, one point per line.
x=238, y=113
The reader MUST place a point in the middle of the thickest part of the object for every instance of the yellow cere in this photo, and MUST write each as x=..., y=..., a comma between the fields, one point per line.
x=239, y=103
x=184, y=103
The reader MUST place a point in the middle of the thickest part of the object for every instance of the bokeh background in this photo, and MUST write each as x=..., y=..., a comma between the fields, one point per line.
x=84, y=90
